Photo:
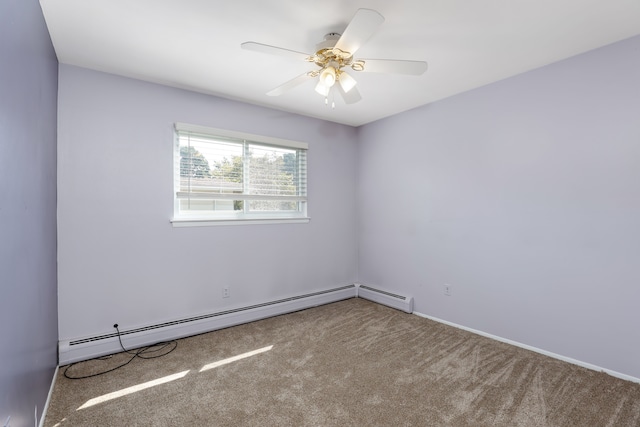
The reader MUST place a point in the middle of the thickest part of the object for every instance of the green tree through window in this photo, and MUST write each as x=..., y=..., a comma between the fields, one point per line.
x=193, y=164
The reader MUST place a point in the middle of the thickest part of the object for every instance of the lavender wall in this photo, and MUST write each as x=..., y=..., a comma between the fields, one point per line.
x=28, y=315
x=524, y=196
x=120, y=260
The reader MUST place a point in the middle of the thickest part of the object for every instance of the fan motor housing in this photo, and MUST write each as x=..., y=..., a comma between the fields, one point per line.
x=329, y=41
x=327, y=54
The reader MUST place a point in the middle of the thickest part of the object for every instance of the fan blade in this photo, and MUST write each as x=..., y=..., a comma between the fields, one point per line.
x=265, y=48
x=393, y=66
x=350, y=97
x=289, y=85
x=364, y=23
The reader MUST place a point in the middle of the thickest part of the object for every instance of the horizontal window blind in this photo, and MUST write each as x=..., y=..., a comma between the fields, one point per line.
x=225, y=176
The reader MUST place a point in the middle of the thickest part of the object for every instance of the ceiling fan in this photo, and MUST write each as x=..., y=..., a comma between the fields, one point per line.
x=335, y=54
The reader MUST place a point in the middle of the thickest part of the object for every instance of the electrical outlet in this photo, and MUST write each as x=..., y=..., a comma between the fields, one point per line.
x=225, y=292
x=447, y=290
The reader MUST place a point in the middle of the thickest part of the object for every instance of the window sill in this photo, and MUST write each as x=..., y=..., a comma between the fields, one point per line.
x=189, y=222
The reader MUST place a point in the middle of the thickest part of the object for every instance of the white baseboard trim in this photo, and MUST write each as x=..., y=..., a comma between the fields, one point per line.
x=535, y=349
x=71, y=351
x=390, y=299
x=46, y=403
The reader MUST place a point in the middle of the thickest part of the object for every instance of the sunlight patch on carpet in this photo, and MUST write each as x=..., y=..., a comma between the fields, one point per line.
x=132, y=389
x=235, y=358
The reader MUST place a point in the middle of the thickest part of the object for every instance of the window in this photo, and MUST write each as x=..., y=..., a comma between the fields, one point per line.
x=223, y=176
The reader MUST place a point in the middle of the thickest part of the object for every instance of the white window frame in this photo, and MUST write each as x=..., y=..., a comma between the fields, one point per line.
x=191, y=219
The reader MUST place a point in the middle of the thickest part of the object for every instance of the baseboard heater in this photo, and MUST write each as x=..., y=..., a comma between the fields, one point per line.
x=88, y=348
x=400, y=302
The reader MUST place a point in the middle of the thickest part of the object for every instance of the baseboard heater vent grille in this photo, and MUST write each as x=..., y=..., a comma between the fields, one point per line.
x=100, y=345
x=400, y=302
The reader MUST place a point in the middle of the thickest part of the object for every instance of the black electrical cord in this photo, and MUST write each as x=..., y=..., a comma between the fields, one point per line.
x=140, y=353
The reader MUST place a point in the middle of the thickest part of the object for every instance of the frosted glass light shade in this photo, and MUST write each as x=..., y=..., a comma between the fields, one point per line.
x=322, y=89
x=328, y=76
x=346, y=81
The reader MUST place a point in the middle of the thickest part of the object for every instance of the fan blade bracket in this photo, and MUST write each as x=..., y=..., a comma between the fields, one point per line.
x=358, y=65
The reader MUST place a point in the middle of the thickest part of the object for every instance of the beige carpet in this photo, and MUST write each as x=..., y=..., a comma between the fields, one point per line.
x=351, y=363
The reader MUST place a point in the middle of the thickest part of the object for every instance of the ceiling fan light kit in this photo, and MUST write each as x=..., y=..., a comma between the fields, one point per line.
x=336, y=52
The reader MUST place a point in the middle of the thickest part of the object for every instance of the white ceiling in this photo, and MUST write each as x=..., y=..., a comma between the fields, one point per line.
x=195, y=44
